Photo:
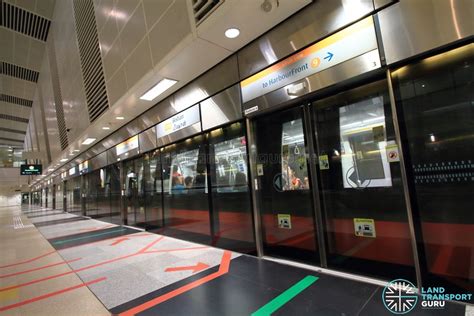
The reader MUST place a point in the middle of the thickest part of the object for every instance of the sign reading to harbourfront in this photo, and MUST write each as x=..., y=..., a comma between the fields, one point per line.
x=346, y=44
x=126, y=146
x=30, y=170
x=179, y=121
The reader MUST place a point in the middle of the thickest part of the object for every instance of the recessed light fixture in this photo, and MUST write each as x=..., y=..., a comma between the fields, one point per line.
x=106, y=128
x=10, y=150
x=232, y=32
x=158, y=89
x=76, y=150
x=64, y=160
x=120, y=118
x=50, y=170
x=88, y=141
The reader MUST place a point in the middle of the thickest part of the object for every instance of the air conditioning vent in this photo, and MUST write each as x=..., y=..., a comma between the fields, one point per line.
x=11, y=130
x=11, y=140
x=15, y=100
x=13, y=118
x=203, y=8
x=91, y=62
x=58, y=99
x=24, y=22
x=18, y=72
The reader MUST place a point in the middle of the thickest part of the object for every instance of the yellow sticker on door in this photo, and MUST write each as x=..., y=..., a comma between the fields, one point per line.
x=364, y=227
x=284, y=221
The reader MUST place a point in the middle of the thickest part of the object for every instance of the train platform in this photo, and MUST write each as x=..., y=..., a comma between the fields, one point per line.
x=56, y=263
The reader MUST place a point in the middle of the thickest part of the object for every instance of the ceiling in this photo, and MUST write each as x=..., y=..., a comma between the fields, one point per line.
x=24, y=26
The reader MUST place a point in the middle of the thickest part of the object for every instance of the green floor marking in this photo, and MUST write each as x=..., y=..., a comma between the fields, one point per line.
x=285, y=297
x=89, y=236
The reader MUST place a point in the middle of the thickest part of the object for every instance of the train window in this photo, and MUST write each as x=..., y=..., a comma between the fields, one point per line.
x=231, y=165
x=186, y=173
x=293, y=167
x=363, y=141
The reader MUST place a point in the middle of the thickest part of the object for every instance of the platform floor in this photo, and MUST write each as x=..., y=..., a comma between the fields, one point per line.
x=55, y=263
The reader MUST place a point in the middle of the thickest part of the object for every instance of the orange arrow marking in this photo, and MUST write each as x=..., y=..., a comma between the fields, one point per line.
x=198, y=267
x=118, y=241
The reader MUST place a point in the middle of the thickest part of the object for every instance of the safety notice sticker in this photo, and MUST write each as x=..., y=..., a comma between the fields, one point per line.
x=284, y=221
x=364, y=227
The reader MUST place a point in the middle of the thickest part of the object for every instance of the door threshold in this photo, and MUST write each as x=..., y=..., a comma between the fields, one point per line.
x=340, y=274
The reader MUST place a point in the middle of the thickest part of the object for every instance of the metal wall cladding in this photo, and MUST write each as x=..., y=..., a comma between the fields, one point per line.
x=218, y=78
x=347, y=70
x=147, y=140
x=314, y=22
x=98, y=161
x=409, y=28
x=224, y=107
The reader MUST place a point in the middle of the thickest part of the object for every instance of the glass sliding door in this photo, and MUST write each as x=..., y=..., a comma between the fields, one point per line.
x=285, y=202
x=134, y=192
x=436, y=99
x=231, y=204
x=113, y=192
x=153, y=191
x=363, y=206
x=185, y=194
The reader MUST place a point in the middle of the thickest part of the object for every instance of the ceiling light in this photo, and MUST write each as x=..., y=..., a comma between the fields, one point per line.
x=10, y=150
x=158, y=89
x=120, y=118
x=88, y=141
x=76, y=150
x=64, y=160
x=71, y=154
x=105, y=128
x=232, y=32
x=50, y=170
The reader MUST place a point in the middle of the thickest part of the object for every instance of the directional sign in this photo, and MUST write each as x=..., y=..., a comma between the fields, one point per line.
x=278, y=182
x=346, y=44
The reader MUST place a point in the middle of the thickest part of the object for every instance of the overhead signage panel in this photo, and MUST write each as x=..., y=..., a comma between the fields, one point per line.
x=30, y=170
x=72, y=171
x=126, y=146
x=346, y=44
x=83, y=167
x=181, y=120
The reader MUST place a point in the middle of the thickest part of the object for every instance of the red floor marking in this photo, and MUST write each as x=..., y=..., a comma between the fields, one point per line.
x=176, y=249
x=96, y=228
x=80, y=269
x=29, y=260
x=118, y=241
x=223, y=269
x=144, y=249
x=38, y=268
x=48, y=295
x=197, y=267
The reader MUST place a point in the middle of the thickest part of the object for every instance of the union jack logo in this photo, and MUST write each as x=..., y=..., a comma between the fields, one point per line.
x=399, y=296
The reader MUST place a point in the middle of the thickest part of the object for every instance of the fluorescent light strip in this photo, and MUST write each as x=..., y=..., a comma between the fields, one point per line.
x=88, y=141
x=158, y=89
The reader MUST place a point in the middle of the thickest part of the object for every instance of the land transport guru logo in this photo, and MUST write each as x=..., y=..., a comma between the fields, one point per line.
x=400, y=297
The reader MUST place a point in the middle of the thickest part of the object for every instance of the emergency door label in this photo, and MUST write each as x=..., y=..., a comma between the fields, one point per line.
x=284, y=221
